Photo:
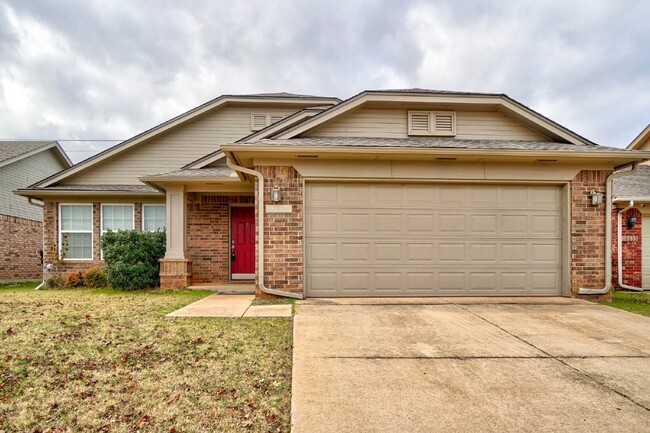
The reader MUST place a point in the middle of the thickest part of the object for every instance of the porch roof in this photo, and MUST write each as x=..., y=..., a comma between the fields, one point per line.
x=222, y=174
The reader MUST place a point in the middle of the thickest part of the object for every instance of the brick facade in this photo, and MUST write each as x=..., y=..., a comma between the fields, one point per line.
x=588, y=234
x=51, y=237
x=20, y=243
x=632, y=252
x=208, y=235
x=283, y=232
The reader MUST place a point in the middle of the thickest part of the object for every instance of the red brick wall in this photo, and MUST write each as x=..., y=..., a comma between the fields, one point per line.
x=283, y=232
x=51, y=236
x=208, y=234
x=631, y=249
x=588, y=233
x=20, y=242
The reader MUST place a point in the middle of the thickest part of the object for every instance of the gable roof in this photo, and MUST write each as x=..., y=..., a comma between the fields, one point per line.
x=640, y=139
x=273, y=128
x=15, y=150
x=417, y=95
x=282, y=98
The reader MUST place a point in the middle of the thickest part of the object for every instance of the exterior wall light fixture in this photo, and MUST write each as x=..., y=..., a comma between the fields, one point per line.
x=276, y=196
x=596, y=198
x=631, y=220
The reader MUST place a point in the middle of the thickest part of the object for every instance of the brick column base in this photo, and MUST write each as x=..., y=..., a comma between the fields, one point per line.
x=175, y=273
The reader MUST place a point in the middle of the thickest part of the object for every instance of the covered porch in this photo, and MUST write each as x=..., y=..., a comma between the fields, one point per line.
x=210, y=230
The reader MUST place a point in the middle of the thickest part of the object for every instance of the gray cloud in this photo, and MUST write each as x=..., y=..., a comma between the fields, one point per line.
x=91, y=69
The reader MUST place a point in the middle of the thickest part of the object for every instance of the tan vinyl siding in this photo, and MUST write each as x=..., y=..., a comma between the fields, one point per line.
x=171, y=151
x=21, y=174
x=393, y=123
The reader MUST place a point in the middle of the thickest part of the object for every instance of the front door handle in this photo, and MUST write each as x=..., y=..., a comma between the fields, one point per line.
x=232, y=251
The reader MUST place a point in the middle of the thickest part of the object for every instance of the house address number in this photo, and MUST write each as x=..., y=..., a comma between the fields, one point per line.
x=630, y=238
x=279, y=208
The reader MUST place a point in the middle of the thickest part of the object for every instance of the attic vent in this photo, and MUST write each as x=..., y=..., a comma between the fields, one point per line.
x=262, y=120
x=441, y=123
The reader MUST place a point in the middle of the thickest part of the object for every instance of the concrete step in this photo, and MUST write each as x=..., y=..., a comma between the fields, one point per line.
x=227, y=288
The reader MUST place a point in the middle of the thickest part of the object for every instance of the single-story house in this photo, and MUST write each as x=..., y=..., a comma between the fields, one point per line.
x=389, y=193
x=21, y=225
x=631, y=197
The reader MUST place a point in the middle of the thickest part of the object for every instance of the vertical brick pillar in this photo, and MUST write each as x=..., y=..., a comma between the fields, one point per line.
x=588, y=234
x=632, y=244
x=283, y=232
x=175, y=273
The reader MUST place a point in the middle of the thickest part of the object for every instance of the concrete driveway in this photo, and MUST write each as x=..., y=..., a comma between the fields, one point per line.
x=469, y=365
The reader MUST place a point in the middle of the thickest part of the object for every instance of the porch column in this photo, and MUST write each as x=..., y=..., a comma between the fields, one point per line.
x=176, y=222
x=175, y=268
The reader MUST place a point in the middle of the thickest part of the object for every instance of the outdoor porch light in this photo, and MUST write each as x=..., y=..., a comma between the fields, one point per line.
x=631, y=220
x=596, y=198
x=275, y=194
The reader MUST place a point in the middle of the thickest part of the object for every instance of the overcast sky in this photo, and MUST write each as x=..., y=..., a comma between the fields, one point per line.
x=93, y=69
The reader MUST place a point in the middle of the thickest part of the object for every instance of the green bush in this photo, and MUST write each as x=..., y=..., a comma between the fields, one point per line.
x=132, y=258
x=95, y=278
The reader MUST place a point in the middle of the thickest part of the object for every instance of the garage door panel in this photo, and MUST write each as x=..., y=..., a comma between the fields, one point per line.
x=426, y=240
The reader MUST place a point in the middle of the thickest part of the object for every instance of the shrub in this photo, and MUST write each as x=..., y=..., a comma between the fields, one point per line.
x=132, y=258
x=95, y=278
x=55, y=282
x=74, y=280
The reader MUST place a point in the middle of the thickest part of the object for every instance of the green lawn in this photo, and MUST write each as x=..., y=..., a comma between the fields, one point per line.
x=634, y=302
x=103, y=360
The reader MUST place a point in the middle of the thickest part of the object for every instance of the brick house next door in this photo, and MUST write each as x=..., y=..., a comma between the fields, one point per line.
x=242, y=243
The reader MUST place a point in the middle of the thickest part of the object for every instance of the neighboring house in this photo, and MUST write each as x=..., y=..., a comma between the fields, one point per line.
x=21, y=235
x=389, y=193
x=631, y=196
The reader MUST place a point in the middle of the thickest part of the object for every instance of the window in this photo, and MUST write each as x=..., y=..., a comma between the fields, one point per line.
x=116, y=217
x=76, y=231
x=153, y=217
x=442, y=123
x=262, y=120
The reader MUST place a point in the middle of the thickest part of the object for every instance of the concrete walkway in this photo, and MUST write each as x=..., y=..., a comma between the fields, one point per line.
x=219, y=305
x=469, y=365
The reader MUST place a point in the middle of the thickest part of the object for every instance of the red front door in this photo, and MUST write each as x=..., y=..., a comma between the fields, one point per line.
x=242, y=243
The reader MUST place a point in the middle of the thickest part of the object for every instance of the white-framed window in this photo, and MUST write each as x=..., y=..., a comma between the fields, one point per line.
x=154, y=217
x=117, y=217
x=76, y=231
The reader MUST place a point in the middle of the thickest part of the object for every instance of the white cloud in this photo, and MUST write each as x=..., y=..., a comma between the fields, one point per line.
x=103, y=69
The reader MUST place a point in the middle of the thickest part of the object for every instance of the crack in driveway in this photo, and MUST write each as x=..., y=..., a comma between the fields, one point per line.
x=558, y=359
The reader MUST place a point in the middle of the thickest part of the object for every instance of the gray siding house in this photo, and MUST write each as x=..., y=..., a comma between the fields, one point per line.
x=21, y=164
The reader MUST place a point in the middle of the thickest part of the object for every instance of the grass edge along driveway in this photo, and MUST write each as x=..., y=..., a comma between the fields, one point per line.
x=105, y=360
x=633, y=302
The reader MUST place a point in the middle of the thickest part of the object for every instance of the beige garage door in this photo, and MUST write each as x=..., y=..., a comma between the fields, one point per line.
x=432, y=240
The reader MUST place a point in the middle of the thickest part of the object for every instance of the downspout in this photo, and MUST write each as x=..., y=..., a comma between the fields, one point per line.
x=260, y=237
x=42, y=206
x=620, y=250
x=608, y=232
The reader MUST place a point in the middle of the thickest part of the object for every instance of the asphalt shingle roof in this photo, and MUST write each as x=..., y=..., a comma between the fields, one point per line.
x=199, y=172
x=12, y=149
x=436, y=143
x=101, y=188
x=633, y=186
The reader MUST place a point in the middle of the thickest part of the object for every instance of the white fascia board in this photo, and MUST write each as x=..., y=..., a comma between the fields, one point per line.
x=640, y=138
